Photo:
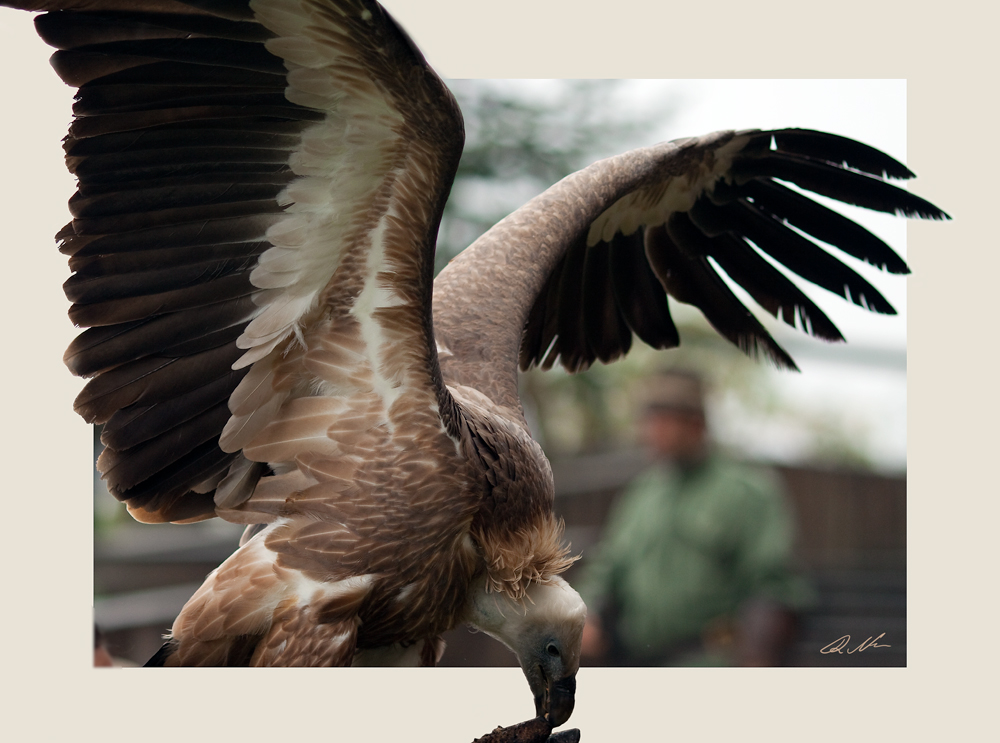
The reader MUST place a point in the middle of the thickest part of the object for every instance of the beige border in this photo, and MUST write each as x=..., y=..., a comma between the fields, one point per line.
x=945, y=52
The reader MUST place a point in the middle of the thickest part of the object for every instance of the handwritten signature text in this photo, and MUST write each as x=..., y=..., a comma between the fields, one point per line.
x=840, y=645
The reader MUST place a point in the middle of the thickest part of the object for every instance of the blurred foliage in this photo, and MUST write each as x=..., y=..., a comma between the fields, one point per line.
x=523, y=136
x=574, y=414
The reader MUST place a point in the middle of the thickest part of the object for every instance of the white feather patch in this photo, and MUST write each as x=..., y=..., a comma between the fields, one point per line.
x=342, y=160
x=373, y=297
x=653, y=205
x=344, y=164
x=254, y=559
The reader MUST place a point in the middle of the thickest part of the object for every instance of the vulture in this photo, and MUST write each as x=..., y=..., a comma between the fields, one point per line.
x=260, y=186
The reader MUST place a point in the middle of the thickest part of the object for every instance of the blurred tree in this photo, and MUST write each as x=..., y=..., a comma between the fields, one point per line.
x=522, y=136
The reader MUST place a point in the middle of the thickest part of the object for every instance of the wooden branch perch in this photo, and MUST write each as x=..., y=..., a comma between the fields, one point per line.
x=538, y=730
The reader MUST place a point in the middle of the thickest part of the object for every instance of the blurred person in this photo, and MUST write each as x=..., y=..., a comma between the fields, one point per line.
x=694, y=566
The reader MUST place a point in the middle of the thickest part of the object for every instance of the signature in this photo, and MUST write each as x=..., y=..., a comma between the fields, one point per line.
x=840, y=645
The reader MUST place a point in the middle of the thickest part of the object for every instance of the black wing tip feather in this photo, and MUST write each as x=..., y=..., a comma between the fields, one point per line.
x=820, y=222
x=678, y=253
x=839, y=150
x=856, y=172
x=237, y=10
x=826, y=164
x=149, y=73
x=766, y=349
x=619, y=296
x=161, y=656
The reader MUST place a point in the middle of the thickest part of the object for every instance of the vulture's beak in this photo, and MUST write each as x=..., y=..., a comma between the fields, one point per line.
x=555, y=700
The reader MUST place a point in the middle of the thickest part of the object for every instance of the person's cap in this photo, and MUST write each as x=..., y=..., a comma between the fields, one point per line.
x=674, y=391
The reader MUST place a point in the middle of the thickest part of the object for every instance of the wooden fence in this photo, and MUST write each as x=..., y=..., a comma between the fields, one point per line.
x=852, y=545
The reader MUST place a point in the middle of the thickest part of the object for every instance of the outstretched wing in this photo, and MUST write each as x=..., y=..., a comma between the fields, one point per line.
x=615, y=240
x=260, y=185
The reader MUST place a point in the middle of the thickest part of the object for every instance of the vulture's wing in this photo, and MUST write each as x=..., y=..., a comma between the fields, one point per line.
x=259, y=191
x=572, y=275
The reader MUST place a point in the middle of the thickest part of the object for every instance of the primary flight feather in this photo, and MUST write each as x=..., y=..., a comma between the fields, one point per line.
x=260, y=189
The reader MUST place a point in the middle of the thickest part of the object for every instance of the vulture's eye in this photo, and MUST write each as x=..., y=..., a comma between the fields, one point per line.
x=552, y=649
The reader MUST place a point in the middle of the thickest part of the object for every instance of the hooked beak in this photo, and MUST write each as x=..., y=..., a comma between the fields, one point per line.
x=556, y=700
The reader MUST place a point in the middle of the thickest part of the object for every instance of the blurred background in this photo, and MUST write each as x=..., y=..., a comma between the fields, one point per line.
x=835, y=434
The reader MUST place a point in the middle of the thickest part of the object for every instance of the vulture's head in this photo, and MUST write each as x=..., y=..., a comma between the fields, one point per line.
x=544, y=631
